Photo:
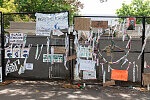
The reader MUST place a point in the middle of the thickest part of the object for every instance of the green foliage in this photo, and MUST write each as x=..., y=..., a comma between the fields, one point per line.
x=11, y=6
x=136, y=8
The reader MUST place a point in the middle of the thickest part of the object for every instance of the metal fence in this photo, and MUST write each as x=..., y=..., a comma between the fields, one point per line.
x=41, y=70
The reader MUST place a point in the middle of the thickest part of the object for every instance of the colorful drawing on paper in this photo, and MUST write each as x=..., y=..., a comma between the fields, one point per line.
x=8, y=52
x=53, y=58
x=89, y=74
x=16, y=53
x=25, y=52
x=16, y=38
x=119, y=75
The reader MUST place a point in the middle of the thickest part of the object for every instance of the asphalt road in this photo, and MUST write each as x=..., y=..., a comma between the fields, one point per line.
x=43, y=90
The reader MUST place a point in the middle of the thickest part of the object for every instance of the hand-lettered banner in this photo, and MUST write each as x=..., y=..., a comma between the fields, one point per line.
x=119, y=75
x=16, y=38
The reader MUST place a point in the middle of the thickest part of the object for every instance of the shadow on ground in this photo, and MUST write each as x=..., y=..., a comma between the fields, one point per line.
x=44, y=90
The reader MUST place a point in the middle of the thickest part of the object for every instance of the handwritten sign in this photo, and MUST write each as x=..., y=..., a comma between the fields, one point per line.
x=25, y=52
x=12, y=67
x=28, y=66
x=99, y=24
x=146, y=78
x=8, y=52
x=53, y=58
x=16, y=52
x=47, y=22
x=89, y=74
x=16, y=38
x=119, y=75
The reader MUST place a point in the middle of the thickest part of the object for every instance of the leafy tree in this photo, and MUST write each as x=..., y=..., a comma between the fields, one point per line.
x=136, y=8
x=41, y=6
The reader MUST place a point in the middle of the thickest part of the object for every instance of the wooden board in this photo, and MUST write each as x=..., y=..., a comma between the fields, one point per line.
x=99, y=24
x=109, y=83
x=146, y=78
x=59, y=50
x=82, y=24
x=71, y=57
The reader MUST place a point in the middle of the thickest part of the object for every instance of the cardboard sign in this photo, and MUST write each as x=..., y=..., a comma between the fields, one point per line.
x=47, y=22
x=16, y=53
x=16, y=38
x=71, y=57
x=28, y=66
x=146, y=78
x=89, y=74
x=99, y=24
x=0, y=74
x=108, y=50
x=82, y=24
x=119, y=75
x=59, y=50
x=8, y=52
x=53, y=58
x=25, y=52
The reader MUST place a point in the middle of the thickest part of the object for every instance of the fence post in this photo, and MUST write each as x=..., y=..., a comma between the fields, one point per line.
x=142, y=57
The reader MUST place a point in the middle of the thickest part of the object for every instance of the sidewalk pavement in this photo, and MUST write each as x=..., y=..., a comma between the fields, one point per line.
x=44, y=90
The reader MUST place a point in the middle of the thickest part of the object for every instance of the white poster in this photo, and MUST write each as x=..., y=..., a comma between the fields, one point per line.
x=85, y=52
x=47, y=22
x=28, y=66
x=16, y=38
x=87, y=65
x=8, y=52
x=16, y=53
x=11, y=67
x=0, y=74
x=25, y=52
x=89, y=74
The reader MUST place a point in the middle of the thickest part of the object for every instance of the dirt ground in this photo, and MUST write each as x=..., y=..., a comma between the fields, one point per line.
x=44, y=90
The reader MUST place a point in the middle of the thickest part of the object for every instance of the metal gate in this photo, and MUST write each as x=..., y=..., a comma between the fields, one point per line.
x=40, y=70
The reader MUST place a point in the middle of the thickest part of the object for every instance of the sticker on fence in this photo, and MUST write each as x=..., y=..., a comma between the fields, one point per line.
x=16, y=53
x=89, y=74
x=16, y=38
x=47, y=22
x=53, y=58
x=25, y=52
x=8, y=52
x=119, y=75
